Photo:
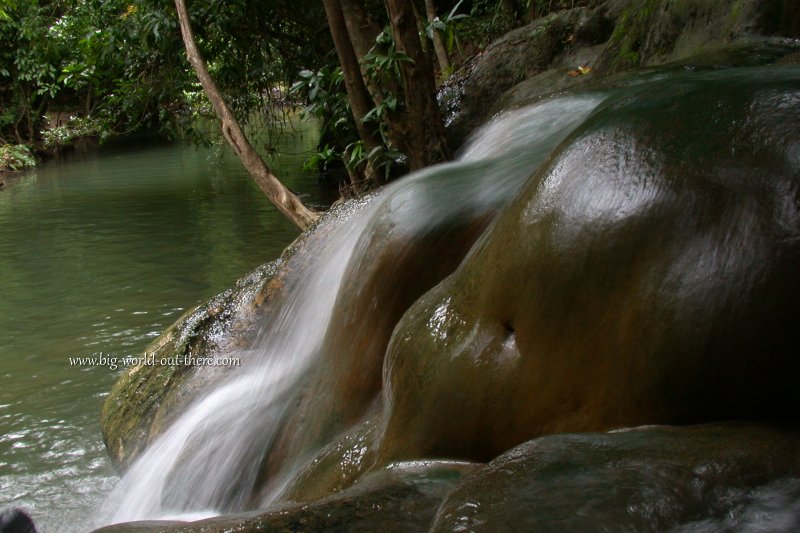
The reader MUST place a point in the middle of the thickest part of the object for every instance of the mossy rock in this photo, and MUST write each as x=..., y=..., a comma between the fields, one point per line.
x=655, y=32
x=150, y=395
x=470, y=95
x=612, y=37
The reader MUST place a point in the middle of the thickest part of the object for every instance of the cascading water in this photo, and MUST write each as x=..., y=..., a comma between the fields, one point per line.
x=209, y=461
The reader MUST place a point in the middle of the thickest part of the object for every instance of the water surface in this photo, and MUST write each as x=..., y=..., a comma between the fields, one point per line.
x=98, y=254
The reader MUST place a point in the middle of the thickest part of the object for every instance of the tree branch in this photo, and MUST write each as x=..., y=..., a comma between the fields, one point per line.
x=286, y=201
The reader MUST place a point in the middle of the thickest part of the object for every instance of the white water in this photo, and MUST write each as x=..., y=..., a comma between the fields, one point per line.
x=208, y=461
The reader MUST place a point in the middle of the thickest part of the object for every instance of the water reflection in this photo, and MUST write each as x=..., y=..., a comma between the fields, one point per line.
x=98, y=254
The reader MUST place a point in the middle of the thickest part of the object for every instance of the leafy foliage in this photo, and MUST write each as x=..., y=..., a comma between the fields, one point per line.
x=322, y=159
x=449, y=26
x=326, y=99
x=383, y=158
x=122, y=63
x=76, y=127
x=86, y=56
x=16, y=157
x=490, y=18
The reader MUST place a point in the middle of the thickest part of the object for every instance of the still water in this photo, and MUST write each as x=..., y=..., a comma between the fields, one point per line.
x=98, y=254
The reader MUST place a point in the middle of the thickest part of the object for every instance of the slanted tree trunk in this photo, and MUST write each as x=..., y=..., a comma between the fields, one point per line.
x=286, y=201
x=419, y=131
x=438, y=44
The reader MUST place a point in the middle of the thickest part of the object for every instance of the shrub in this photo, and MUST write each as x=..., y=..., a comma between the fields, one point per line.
x=15, y=157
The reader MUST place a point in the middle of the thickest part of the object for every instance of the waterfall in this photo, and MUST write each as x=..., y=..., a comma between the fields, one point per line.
x=209, y=460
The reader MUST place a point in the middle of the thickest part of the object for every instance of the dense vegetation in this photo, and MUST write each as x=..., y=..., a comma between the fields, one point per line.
x=76, y=68
x=117, y=66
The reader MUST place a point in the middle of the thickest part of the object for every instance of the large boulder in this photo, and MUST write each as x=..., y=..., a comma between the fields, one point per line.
x=648, y=274
x=655, y=32
x=474, y=93
x=611, y=37
x=700, y=478
x=411, y=243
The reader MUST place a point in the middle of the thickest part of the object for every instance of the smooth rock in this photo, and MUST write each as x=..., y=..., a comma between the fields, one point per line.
x=402, y=498
x=647, y=275
x=700, y=478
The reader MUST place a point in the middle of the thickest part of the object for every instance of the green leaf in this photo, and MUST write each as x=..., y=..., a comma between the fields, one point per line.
x=375, y=152
x=450, y=15
x=373, y=114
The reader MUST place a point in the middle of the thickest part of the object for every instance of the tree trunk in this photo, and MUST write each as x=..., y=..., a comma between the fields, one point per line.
x=360, y=26
x=360, y=101
x=87, y=104
x=279, y=195
x=438, y=43
x=419, y=131
x=533, y=11
x=363, y=30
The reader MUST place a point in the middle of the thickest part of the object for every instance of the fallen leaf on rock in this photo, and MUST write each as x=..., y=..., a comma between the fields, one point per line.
x=581, y=70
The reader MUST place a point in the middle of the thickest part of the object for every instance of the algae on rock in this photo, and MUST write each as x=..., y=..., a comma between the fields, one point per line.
x=149, y=395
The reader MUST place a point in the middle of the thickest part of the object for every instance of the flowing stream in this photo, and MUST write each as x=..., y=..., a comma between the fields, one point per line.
x=99, y=253
x=208, y=461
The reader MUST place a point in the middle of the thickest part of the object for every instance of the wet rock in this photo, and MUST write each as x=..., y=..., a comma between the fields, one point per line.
x=702, y=478
x=406, y=250
x=336, y=466
x=144, y=526
x=656, y=32
x=470, y=95
x=402, y=498
x=647, y=275
x=611, y=37
x=16, y=520
x=150, y=395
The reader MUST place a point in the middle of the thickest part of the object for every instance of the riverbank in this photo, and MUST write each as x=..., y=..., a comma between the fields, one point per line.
x=15, y=158
x=18, y=159
x=58, y=138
